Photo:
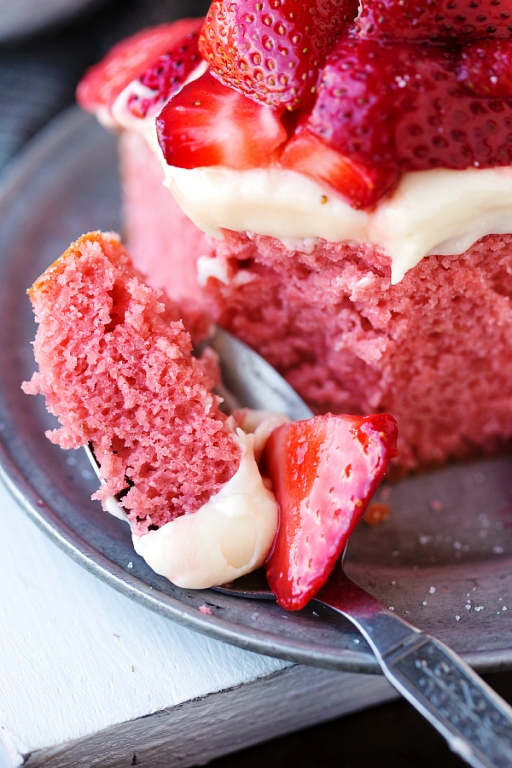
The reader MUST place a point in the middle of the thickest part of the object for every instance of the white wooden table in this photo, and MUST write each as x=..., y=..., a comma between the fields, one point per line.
x=89, y=678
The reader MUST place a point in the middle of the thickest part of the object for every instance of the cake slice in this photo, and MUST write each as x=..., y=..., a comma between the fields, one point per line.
x=115, y=367
x=355, y=231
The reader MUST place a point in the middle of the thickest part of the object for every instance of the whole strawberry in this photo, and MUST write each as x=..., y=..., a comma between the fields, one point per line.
x=272, y=50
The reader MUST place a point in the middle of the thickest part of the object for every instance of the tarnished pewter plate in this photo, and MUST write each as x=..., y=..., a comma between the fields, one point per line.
x=443, y=559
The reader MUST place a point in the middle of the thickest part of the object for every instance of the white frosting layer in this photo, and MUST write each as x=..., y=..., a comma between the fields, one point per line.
x=431, y=212
x=227, y=537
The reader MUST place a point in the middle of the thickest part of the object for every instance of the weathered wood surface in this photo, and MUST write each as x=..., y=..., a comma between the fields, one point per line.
x=90, y=678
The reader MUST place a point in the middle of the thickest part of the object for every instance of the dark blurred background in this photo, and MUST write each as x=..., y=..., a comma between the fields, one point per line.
x=38, y=75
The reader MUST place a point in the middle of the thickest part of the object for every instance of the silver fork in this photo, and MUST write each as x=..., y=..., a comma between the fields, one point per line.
x=474, y=720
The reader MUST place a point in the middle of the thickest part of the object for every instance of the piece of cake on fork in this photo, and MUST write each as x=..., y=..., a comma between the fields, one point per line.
x=200, y=490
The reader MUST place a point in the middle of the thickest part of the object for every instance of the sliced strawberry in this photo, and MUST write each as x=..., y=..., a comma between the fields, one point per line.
x=208, y=124
x=402, y=105
x=324, y=472
x=130, y=59
x=486, y=68
x=361, y=184
x=165, y=77
x=435, y=20
x=272, y=50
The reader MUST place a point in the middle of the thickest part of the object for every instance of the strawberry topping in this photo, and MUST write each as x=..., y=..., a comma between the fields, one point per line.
x=409, y=86
x=209, y=124
x=435, y=20
x=403, y=105
x=324, y=471
x=362, y=184
x=272, y=50
x=486, y=68
x=165, y=77
x=129, y=60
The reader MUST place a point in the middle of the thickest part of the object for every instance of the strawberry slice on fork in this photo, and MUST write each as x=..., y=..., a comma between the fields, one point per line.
x=324, y=472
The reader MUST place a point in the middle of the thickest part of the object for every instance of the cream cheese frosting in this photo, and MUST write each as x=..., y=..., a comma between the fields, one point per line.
x=228, y=536
x=437, y=211
x=431, y=212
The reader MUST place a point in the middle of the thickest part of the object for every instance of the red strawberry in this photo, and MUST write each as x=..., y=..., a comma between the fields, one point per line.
x=208, y=124
x=130, y=59
x=435, y=20
x=324, y=472
x=401, y=104
x=486, y=67
x=272, y=50
x=361, y=184
x=165, y=77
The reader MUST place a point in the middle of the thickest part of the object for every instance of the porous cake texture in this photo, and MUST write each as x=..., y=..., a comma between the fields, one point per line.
x=435, y=350
x=116, y=368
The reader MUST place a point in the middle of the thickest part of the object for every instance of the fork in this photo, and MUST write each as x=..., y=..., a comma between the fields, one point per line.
x=474, y=720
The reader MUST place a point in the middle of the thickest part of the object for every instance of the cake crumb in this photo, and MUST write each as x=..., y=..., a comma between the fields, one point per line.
x=205, y=609
x=376, y=513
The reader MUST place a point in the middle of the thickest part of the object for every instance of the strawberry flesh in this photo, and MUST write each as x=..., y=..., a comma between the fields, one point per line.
x=129, y=60
x=272, y=50
x=403, y=105
x=435, y=20
x=324, y=471
x=361, y=184
x=208, y=124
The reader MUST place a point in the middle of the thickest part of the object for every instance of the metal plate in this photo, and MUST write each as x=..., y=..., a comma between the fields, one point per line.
x=443, y=559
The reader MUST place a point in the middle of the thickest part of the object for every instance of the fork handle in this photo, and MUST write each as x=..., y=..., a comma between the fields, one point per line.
x=474, y=720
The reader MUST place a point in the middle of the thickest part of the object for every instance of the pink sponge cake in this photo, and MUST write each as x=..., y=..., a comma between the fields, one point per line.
x=116, y=368
x=349, y=202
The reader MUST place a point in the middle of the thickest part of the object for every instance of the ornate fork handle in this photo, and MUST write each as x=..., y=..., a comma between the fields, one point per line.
x=474, y=720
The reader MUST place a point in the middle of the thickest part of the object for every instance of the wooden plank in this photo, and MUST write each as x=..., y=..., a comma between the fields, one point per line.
x=84, y=671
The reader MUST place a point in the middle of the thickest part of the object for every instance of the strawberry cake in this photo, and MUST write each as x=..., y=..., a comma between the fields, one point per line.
x=200, y=490
x=341, y=182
